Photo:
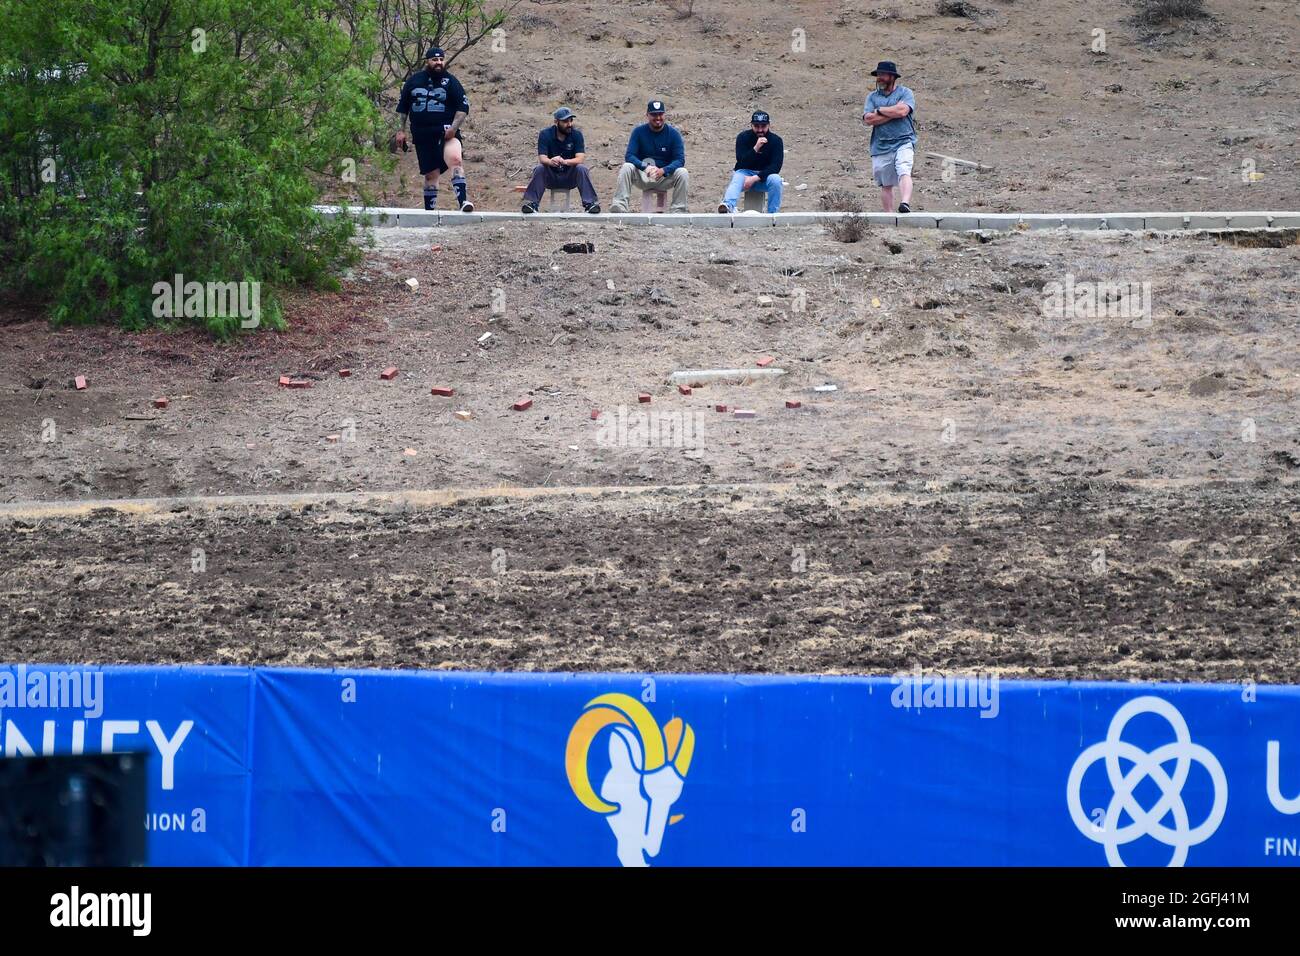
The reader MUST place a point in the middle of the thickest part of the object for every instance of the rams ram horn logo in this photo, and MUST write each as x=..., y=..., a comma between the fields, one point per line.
x=647, y=769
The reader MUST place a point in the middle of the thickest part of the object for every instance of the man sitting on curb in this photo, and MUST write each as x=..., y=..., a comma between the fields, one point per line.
x=759, y=155
x=560, y=152
x=655, y=159
x=888, y=111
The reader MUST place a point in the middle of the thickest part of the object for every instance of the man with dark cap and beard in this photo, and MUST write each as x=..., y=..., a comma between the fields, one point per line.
x=561, y=150
x=889, y=111
x=436, y=105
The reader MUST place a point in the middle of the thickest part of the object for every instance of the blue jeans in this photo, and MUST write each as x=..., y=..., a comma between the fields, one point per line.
x=772, y=186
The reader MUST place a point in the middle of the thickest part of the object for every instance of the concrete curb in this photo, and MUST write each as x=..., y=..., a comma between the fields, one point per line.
x=389, y=218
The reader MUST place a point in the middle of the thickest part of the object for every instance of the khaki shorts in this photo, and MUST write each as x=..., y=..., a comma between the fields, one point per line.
x=888, y=168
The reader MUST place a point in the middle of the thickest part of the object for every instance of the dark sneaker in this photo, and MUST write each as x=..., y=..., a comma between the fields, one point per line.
x=904, y=207
x=723, y=207
x=594, y=208
x=467, y=206
x=530, y=207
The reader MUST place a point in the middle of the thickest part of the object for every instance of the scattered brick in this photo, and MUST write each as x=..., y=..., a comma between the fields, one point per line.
x=684, y=389
x=442, y=390
x=464, y=416
x=284, y=380
x=522, y=405
x=794, y=404
x=720, y=408
x=299, y=383
x=643, y=398
x=765, y=361
x=345, y=372
x=160, y=403
x=595, y=413
x=79, y=382
x=389, y=373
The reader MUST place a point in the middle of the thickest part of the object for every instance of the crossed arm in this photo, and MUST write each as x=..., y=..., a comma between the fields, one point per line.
x=884, y=114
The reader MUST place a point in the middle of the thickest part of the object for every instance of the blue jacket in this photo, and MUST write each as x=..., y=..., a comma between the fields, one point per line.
x=666, y=148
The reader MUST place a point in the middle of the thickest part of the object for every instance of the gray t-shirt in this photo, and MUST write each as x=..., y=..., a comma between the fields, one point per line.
x=887, y=137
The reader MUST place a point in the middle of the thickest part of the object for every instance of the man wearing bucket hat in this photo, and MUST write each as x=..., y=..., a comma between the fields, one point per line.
x=655, y=159
x=759, y=156
x=436, y=105
x=889, y=112
x=560, y=152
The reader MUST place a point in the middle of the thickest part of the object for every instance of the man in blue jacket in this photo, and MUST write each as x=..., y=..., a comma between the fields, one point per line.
x=759, y=156
x=889, y=111
x=655, y=159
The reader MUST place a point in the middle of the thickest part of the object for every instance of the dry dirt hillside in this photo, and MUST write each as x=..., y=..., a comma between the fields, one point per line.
x=1165, y=118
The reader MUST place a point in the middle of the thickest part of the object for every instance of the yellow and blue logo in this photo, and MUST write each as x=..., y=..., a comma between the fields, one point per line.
x=647, y=770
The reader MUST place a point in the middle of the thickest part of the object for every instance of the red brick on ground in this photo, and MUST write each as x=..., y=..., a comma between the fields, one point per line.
x=522, y=405
x=389, y=373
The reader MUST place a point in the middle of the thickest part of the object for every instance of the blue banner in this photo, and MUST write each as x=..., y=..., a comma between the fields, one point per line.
x=287, y=767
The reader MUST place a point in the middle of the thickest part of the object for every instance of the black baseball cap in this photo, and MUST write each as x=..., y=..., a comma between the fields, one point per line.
x=564, y=113
x=655, y=106
x=434, y=51
x=760, y=117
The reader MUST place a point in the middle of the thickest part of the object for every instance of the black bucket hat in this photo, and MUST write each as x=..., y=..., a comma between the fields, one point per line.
x=887, y=66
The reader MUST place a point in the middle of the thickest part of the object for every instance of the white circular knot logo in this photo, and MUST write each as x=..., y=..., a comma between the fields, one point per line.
x=1146, y=766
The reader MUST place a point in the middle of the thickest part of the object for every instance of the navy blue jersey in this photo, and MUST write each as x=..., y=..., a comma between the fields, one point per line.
x=550, y=144
x=432, y=102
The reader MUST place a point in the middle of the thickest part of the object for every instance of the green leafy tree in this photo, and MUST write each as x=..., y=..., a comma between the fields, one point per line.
x=152, y=138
